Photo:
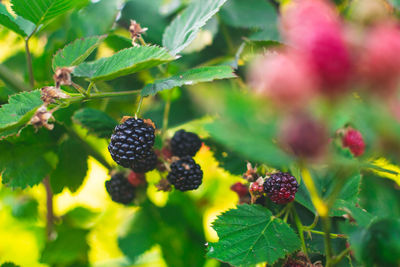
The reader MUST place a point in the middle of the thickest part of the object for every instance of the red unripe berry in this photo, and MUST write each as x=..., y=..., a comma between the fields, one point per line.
x=135, y=178
x=354, y=141
x=240, y=189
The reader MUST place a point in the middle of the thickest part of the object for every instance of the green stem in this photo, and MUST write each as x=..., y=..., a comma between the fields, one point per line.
x=29, y=63
x=341, y=255
x=282, y=211
x=166, y=114
x=139, y=106
x=78, y=97
x=301, y=231
x=91, y=84
x=326, y=226
x=11, y=79
x=49, y=208
x=79, y=89
x=228, y=39
x=314, y=223
x=323, y=233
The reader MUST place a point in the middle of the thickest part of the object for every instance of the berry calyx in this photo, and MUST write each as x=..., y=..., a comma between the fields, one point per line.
x=185, y=174
x=185, y=143
x=281, y=187
x=131, y=141
x=354, y=140
x=120, y=189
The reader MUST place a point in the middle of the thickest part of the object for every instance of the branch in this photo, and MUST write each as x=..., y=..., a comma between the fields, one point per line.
x=29, y=63
x=79, y=97
x=49, y=205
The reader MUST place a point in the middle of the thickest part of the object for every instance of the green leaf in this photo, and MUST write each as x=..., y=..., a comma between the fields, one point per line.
x=140, y=237
x=19, y=110
x=249, y=13
x=23, y=165
x=184, y=28
x=125, y=62
x=76, y=52
x=70, y=153
x=41, y=11
x=80, y=217
x=96, y=121
x=250, y=234
x=19, y=25
x=324, y=184
x=193, y=76
x=69, y=248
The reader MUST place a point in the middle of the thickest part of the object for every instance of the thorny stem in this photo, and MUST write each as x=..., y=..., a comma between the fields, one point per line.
x=282, y=211
x=300, y=229
x=29, y=63
x=49, y=205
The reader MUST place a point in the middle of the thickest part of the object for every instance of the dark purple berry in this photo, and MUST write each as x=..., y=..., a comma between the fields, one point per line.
x=185, y=174
x=131, y=141
x=185, y=143
x=145, y=164
x=281, y=187
x=119, y=188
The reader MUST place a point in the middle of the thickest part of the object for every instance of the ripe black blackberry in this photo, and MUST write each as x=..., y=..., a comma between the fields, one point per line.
x=185, y=174
x=185, y=143
x=119, y=188
x=145, y=164
x=131, y=141
x=281, y=187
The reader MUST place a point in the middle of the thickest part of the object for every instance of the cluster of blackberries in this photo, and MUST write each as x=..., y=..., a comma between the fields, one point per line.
x=131, y=147
x=280, y=187
x=185, y=173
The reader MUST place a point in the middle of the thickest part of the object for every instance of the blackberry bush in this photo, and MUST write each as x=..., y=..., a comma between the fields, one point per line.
x=185, y=143
x=185, y=174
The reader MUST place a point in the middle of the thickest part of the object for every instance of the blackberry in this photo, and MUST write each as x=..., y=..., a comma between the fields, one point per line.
x=145, y=164
x=119, y=188
x=185, y=143
x=185, y=174
x=131, y=141
x=281, y=187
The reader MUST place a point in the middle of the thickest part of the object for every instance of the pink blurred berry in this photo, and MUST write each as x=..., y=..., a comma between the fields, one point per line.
x=256, y=188
x=314, y=28
x=240, y=189
x=285, y=78
x=354, y=141
x=380, y=63
x=304, y=136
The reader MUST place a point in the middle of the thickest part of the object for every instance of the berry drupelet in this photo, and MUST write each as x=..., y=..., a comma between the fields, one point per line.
x=185, y=174
x=148, y=163
x=185, y=143
x=131, y=141
x=354, y=140
x=119, y=188
x=281, y=187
